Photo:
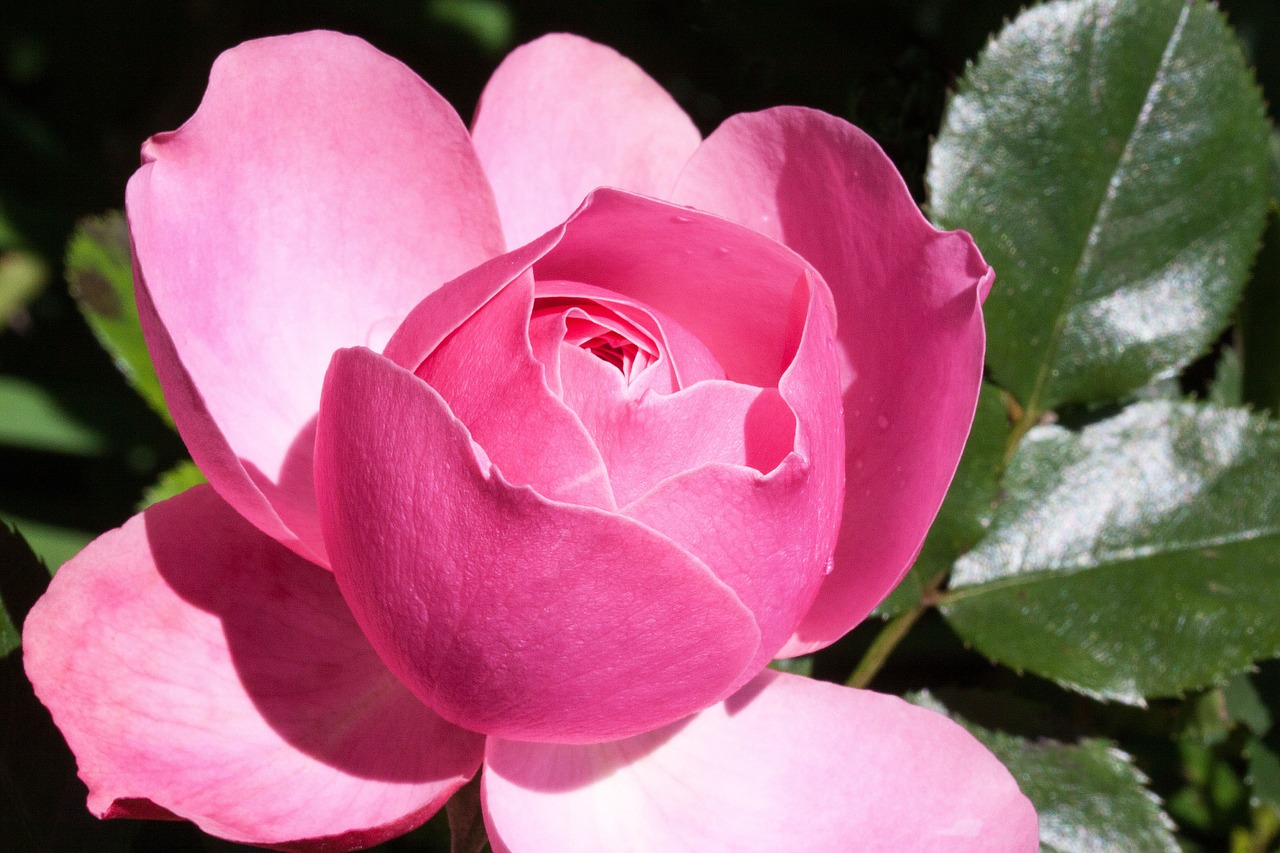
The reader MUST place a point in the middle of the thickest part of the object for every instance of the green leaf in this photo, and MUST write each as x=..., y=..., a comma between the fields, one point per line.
x=966, y=512
x=795, y=666
x=1227, y=388
x=22, y=276
x=1245, y=705
x=488, y=22
x=1137, y=558
x=1089, y=796
x=31, y=417
x=1110, y=158
x=173, y=482
x=53, y=544
x=1264, y=772
x=22, y=581
x=100, y=275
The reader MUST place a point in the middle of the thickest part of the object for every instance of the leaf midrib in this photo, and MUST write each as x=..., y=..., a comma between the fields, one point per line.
x=1100, y=216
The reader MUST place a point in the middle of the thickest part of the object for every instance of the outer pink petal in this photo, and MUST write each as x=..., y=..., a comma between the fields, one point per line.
x=505, y=612
x=910, y=324
x=320, y=191
x=786, y=764
x=562, y=116
x=199, y=669
x=770, y=537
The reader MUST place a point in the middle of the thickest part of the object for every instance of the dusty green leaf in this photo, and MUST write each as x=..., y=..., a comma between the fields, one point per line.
x=100, y=275
x=1137, y=558
x=1110, y=158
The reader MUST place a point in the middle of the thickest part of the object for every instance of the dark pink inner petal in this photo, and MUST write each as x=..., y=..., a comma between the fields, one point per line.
x=770, y=537
x=485, y=370
x=508, y=613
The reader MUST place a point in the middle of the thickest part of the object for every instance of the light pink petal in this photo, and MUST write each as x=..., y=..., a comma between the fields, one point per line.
x=506, y=612
x=786, y=764
x=732, y=290
x=486, y=373
x=647, y=438
x=769, y=537
x=562, y=116
x=199, y=669
x=910, y=326
x=319, y=193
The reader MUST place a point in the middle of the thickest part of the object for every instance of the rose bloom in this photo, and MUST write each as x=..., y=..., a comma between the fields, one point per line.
x=529, y=448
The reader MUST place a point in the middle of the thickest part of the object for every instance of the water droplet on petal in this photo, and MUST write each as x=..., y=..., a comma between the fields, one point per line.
x=882, y=421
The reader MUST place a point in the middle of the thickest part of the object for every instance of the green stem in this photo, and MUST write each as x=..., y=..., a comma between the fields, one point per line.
x=892, y=634
x=1023, y=421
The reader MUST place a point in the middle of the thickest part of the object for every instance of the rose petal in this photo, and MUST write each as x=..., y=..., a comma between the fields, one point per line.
x=910, y=324
x=732, y=290
x=486, y=373
x=769, y=537
x=562, y=116
x=879, y=775
x=505, y=612
x=319, y=192
x=200, y=669
x=648, y=438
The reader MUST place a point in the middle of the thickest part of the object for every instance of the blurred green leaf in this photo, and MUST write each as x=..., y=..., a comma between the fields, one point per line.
x=53, y=544
x=797, y=666
x=1110, y=158
x=489, y=22
x=173, y=482
x=22, y=580
x=1264, y=772
x=1089, y=796
x=968, y=507
x=30, y=417
x=22, y=276
x=100, y=274
x=1245, y=705
x=1137, y=558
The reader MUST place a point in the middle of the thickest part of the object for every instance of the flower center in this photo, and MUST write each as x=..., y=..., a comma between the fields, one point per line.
x=608, y=345
x=603, y=332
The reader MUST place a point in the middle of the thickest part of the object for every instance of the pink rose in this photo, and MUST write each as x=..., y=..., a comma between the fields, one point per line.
x=509, y=470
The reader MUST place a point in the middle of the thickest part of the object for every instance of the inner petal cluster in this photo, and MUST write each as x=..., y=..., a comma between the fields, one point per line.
x=650, y=395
